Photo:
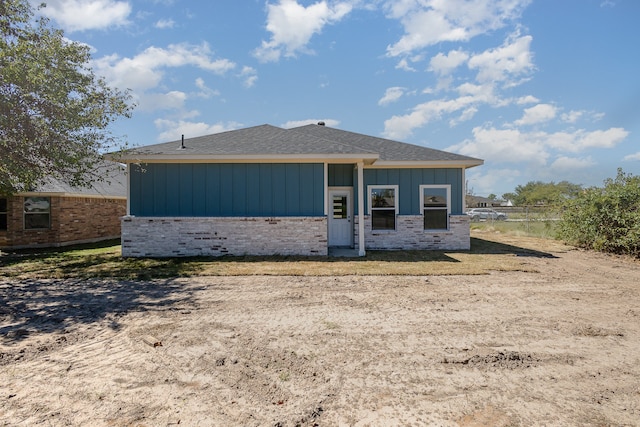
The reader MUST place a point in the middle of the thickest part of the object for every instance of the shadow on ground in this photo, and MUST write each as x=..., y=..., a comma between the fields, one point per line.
x=488, y=247
x=31, y=306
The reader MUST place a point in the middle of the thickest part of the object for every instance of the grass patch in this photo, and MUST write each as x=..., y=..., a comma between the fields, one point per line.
x=544, y=229
x=491, y=250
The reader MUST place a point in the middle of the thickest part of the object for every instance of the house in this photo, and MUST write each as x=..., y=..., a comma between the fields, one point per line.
x=58, y=214
x=267, y=190
x=485, y=202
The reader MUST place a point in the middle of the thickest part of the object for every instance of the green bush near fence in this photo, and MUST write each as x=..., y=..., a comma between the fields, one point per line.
x=605, y=219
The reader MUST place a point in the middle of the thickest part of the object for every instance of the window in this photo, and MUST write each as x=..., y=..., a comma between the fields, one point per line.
x=383, y=206
x=436, y=206
x=3, y=213
x=37, y=213
x=339, y=207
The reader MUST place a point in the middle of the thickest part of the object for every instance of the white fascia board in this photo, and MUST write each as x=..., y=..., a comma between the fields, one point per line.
x=251, y=158
x=424, y=164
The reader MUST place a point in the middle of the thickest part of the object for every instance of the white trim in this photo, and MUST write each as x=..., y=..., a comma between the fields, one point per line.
x=248, y=158
x=464, y=190
x=128, y=189
x=326, y=188
x=452, y=164
x=361, y=245
x=349, y=191
x=422, y=209
x=377, y=186
x=396, y=202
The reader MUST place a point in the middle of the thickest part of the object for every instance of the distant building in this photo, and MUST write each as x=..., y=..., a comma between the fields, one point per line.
x=57, y=214
x=484, y=202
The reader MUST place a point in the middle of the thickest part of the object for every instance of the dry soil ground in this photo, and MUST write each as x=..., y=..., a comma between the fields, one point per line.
x=556, y=347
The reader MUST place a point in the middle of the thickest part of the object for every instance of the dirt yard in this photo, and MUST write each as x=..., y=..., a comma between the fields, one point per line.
x=556, y=347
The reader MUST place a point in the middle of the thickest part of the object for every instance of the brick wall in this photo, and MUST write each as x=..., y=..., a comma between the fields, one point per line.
x=172, y=237
x=410, y=235
x=73, y=220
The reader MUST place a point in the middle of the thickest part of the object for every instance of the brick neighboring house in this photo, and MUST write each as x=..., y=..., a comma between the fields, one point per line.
x=266, y=190
x=57, y=214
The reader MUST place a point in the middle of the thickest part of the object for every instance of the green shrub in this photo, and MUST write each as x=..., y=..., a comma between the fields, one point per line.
x=605, y=219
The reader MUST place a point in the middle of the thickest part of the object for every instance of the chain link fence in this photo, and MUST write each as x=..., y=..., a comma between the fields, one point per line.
x=531, y=220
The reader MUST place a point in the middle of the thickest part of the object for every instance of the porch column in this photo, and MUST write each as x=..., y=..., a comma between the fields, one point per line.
x=326, y=188
x=361, y=248
x=128, y=189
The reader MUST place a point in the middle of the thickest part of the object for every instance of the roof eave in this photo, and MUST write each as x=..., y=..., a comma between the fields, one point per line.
x=367, y=158
x=464, y=163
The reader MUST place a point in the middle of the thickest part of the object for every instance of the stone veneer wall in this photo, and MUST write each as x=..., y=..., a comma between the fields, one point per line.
x=410, y=235
x=197, y=236
x=73, y=220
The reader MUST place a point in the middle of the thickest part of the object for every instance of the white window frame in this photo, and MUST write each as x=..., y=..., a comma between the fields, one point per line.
x=370, y=209
x=26, y=213
x=422, y=208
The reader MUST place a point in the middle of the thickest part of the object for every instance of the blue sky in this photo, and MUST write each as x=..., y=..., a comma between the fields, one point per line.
x=540, y=89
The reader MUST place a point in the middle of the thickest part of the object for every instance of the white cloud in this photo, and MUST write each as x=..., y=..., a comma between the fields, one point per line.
x=297, y=123
x=581, y=140
x=537, y=114
x=392, y=94
x=529, y=99
x=535, y=148
x=428, y=22
x=165, y=23
x=172, y=130
x=145, y=71
x=486, y=183
x=161, y=101
x=80, y=15
x=292, y=25
x=572, y=116
x=444, y=64
x=504, y=146
x=399, y=127
x=465, y=116
x=205, y=91
x=250, y=76
x=403, y=64
x=504, y=63
x=602, y=138
x=564, y=164
x=632, y=157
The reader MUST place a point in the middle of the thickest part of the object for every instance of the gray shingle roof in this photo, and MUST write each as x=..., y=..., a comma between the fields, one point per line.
x=112, y=185
x=257, y=140
x=388, y=150
x=310, y=140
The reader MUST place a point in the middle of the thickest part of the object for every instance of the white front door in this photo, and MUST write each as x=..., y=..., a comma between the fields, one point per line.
x=340, y=218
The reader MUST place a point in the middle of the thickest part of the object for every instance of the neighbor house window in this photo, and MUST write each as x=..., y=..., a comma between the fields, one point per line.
x=3, y=213
x=37, y=213
x=436, y=206
x=383, y=206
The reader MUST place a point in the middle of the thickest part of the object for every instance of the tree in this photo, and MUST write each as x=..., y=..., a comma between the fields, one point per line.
x=605, y=219
x=54, y=111
x=509, y=196
x=545, y=193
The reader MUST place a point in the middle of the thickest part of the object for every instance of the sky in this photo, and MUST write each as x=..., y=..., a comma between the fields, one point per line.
x=541, y=90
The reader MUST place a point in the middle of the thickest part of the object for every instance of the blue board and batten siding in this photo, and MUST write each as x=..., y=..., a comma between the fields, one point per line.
x=269, y=189
x=227, y=190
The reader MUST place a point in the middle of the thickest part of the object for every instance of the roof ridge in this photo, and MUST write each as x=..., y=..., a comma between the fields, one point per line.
x=365, y=150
